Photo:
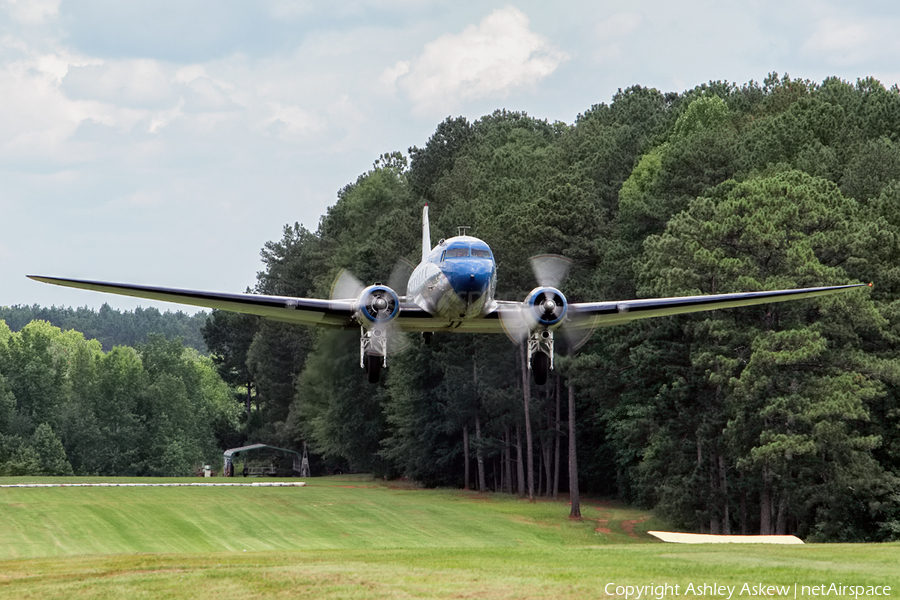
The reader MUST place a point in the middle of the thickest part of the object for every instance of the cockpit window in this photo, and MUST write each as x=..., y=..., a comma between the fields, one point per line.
x=457, y=252
x=465, y=251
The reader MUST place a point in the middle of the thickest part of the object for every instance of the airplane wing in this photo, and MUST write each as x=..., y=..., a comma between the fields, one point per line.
x=588, y=315
x=339, y=313
x=305, y=311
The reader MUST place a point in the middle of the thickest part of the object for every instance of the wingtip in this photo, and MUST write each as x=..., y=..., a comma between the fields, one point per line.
x=45, y=279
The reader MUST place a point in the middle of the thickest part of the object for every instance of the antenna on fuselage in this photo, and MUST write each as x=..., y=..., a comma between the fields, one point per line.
x=461, y=229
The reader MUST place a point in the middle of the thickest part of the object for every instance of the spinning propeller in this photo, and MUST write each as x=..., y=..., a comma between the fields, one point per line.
x=376, y=308
x=550, y=270
x=545, y=308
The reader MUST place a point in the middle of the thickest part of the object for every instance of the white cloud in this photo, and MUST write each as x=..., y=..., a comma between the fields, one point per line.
x=127, y=83
x=32, y=12
x=205, y=95
x=37, y=116
x=162, y=118
x=491, y=59
x=390, y=76
x=291, y=121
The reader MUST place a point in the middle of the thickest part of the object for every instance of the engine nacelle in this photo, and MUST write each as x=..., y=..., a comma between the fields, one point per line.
x=377, y=305
x=546, y=307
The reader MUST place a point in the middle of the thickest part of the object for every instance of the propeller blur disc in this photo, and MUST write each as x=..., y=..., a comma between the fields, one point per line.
x=512, y=318
x=399, y=279
x=346, y=286
x=550, y=270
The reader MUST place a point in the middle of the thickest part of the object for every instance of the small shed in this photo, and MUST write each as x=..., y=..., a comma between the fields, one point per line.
x=298, y=461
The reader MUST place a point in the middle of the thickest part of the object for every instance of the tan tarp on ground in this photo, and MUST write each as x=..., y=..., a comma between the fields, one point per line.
x=702, y=538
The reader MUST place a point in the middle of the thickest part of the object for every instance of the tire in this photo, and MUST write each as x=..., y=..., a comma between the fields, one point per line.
x=540, y=367
x=373, y=367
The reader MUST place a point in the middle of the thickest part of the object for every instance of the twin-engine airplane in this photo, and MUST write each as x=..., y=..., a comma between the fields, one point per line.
x=452, y=289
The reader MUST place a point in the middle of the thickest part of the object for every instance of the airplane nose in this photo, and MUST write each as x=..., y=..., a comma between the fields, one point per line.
x=470, y=280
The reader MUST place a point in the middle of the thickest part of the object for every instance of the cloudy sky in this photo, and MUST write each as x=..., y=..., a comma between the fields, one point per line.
x=165, y=141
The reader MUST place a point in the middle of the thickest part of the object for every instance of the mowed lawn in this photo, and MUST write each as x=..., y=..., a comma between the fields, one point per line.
x=346, y=512
x=353, y=537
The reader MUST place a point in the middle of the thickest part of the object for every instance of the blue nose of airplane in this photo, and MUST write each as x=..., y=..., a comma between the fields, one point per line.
x=469, y=278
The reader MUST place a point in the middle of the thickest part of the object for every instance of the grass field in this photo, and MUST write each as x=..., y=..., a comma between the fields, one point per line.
x=352, y=537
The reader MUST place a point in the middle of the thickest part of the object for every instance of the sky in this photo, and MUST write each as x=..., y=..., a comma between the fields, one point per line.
x=164, y=142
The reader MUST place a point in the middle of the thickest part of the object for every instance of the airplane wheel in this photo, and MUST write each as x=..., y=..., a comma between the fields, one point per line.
x=540, y=366
x=427, y=335
x=373, y=367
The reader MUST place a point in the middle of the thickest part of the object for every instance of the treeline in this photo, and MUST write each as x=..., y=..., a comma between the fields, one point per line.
x=67, y=407
x=112, y=327
x=772, y=419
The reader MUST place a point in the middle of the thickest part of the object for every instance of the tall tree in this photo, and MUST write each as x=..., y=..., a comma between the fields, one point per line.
x=229, y=337
x=784, y=230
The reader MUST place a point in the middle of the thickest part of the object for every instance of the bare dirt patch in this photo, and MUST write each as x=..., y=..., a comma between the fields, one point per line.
x=628, y=527
x=602, y=526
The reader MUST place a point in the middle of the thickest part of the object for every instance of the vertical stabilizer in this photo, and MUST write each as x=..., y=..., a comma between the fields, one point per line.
x=426, y=234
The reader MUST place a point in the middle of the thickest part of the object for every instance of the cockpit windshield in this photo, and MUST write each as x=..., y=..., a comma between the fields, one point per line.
x=465, y=251
x=457, y=252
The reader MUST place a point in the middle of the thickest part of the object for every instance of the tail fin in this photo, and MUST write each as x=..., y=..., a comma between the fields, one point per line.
x=426, y=234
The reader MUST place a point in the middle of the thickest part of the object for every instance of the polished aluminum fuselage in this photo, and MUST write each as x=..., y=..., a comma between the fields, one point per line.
x=452, y=286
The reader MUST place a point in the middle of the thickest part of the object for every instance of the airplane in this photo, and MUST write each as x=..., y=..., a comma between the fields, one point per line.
x=453, y=290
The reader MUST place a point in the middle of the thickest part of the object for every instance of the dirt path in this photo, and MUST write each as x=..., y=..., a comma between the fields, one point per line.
x=628, y=527
x=607, y=516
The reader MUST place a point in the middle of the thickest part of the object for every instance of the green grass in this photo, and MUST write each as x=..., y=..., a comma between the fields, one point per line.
x=352, y=537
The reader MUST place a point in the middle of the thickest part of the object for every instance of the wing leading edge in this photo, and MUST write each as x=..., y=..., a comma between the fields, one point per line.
x=305, y=311
x=588, y=315
x=339, y=313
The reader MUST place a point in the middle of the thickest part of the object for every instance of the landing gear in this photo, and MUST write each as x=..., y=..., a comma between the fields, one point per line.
x=372, y=352
x=540, y=355
x=372, y=364
x=540, y=367
x=426, y=336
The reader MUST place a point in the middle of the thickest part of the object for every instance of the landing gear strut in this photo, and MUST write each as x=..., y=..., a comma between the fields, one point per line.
x=372, y=352
x=540, y=355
